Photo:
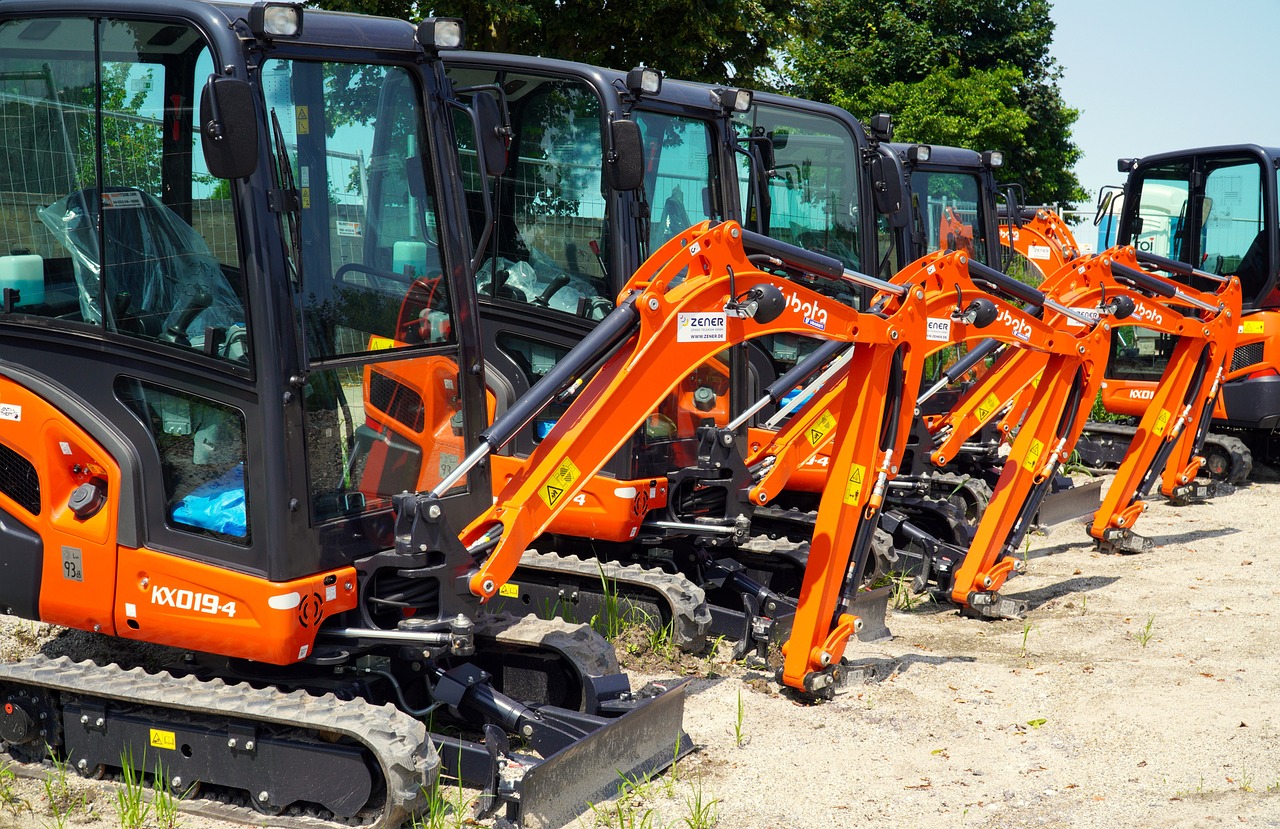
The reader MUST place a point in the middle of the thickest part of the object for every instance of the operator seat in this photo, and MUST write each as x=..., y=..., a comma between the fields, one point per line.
x=156, y=265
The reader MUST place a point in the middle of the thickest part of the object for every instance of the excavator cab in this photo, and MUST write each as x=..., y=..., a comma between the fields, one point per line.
x=1213, y=208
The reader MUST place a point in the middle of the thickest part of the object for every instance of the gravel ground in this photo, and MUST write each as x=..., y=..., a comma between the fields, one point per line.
x=1139, y=692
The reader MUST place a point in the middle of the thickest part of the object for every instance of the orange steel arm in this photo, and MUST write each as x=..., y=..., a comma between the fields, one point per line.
x=1053, y=421
x=678, y=329
x=945, y=279
x=1044, y=239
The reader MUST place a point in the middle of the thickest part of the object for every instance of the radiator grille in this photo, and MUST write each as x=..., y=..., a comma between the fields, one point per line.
x=398, y=400
x=18, y=480
x=1246, y=355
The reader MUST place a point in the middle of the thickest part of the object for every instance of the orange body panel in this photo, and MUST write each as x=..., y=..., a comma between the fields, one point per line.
x=605, y=509
x=409, y=390
x=64, y=457
x=169, y=600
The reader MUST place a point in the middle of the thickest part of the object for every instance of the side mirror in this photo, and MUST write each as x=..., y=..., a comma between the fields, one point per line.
x=886, y=187
x=623, y=158
x=764, y=143
x=492, y=133
x=228, y=128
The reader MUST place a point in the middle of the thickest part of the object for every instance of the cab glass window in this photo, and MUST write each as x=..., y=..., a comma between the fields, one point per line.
x=947, y=212
x=110, y=218
x=813, y=193
x=680, y=173
x=364, y=237
x=382, y=408
x=201, y=444
x=549, y=241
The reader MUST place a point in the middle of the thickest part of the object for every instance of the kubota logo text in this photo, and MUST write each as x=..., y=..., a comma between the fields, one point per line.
x=814, y=315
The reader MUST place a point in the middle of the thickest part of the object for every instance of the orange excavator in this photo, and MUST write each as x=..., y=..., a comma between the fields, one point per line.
x=1047, y=242
x=865, y=456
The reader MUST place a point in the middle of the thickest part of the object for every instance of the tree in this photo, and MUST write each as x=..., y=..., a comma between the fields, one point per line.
x=711, y=40
x=970, y=73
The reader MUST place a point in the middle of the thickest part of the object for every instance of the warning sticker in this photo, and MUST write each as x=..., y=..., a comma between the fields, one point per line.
x=938, y=329
x=349, y=229
x=559, y=482
x=1033, y=456
x=702, y=326
x=1251, y=327
x=163, y=739
x=1039, y=252
x=377, y=343
x=1162, y=420
x=306, y=198
x=824, y=424
x=853, y=489
x=988, y=406
x=302, y=118
x=511, y=590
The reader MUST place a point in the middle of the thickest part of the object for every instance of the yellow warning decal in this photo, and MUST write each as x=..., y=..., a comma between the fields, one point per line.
x=824, y=424
x=564, y=476
x=377, y=343
x=1033, y=456
x=1162, y=420
x=1035, y=381
x=1251, y=327
x=511, y=590
x=853, y=489
x=306, y=198
x=302, y=120
x=163, y=739
x=988, y=406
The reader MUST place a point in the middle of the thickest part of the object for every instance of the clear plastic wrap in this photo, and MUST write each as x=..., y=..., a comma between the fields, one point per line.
x=153, y=255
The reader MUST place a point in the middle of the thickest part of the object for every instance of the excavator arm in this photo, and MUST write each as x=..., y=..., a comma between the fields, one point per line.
x=1043, y=238
x=698, y=295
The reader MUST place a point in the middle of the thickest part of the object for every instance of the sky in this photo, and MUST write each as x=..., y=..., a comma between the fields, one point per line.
x=1155, y=75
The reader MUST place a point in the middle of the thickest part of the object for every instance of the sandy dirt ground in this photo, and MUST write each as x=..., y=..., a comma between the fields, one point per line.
x=1140, y=691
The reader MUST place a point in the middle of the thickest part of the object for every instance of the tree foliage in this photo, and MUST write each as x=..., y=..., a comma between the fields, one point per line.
x=708, y=40
x=970, y=73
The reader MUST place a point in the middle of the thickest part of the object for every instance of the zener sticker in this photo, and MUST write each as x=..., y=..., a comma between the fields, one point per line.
x=702, y=327
x=938, y=329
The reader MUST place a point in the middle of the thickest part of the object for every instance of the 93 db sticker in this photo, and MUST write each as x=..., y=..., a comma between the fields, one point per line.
x=560, y=481
x=702, y=327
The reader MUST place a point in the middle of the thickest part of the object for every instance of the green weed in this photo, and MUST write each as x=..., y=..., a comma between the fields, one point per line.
x=740, y=738
x=132, y=806
x=609, y=622
x=9, y=797
x=164, y=798
x=57, y=791
x=702, y=813
x=1144, y=635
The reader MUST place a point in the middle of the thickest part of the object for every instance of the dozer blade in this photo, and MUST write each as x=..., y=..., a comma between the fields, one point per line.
x=594, y=769
x=871, y=607
x=1068, y=504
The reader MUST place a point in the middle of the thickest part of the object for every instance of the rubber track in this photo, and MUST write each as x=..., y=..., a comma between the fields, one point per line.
x=686, y=601
x=1239, y=455
x=588, y=651
x=405, y=755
